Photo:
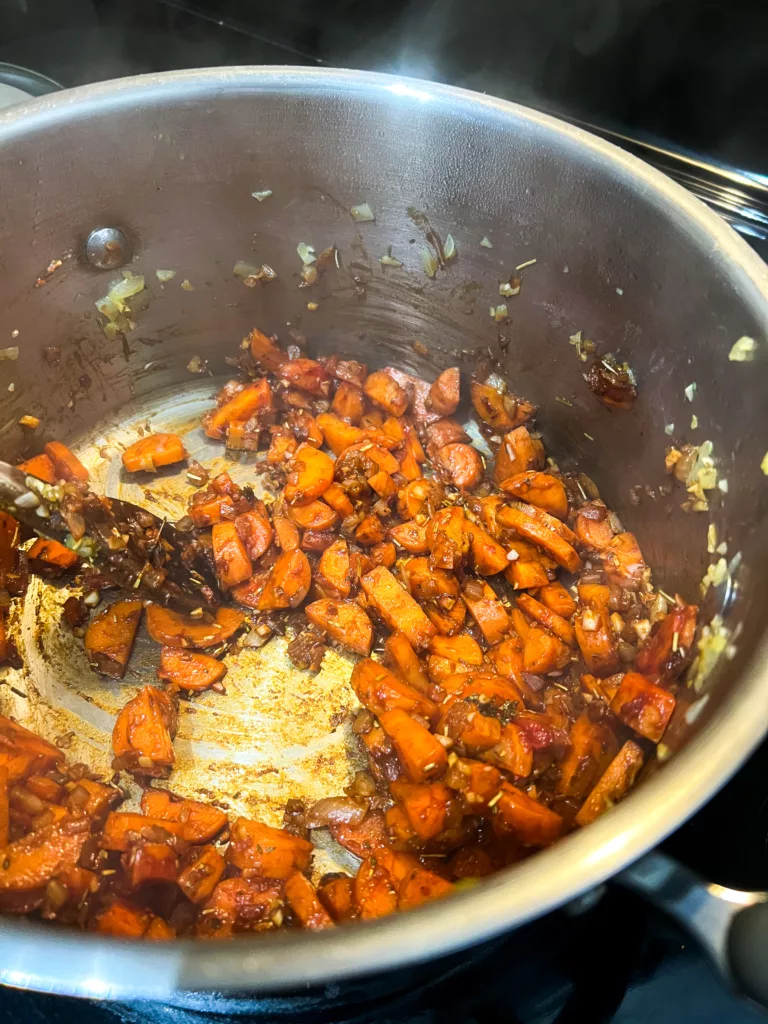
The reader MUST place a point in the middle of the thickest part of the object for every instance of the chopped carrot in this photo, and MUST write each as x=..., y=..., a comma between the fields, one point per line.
x=255, y=531
x=593, y=746
x=489, y=557
x=316, y=515
x=41, y=785
x=286, y=533
x=123, y=920
x=463, y=465
x=540, y=489
x=370, y=531
x=458, y=648
x=343, y=621
x=412, y=442
x=159, y=931
x=401, y=657
x=282, y=446
x=348, y=403
x=339, y=435
x=335, y=496
x=593, y=630
x=447, y=539
x=624, y=562
x=444, y=393
x=148, y=454
x=266, y=852
x=532, y=822
x=265, y=351
x=379, y=690
x=200, y=823
x=534, y=529
x=23, y=753
x=396, y=607
x=643, y=706
x=614, y=783
x=527, y=570
x=394, y=428
x=249, y=401
x=52, y=553
x=305, y=427
x=303, y=900
x=337, y=894
x=41, y=467
x=201, y=872
x=307, y=375
x=383, y=554
x=375, y=890
x=423, y=757
x=383, y=484
x=499, y=410
x=189, y=670
x=152, y=862
x=487, y=611
x=172, y=629
x=476, y=781
x=288, y=583
x=544, y=653
x=100, y=797
x=556, y=597
x=513, y=752
x=518, y=452
x=593, y=527
x=428, y=584
x=668, y=648
x=65, y=462
x=33, y=860
x=367, y=839
x=110, y=636
x=415, y=498
x=426, y=806
x=230, y=557
x=142, y=738
x=446, y=621
x=555, y=623
x=310, y=472
x=385, y=392
x=507, y=658
x=410, y=536
x=421, y=886
x=377, y=453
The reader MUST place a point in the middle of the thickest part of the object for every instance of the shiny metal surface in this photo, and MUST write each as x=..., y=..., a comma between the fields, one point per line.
x=621, y=252
x=107, y=248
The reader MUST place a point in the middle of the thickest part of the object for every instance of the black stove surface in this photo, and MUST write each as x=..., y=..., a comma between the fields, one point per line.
x=620, y=961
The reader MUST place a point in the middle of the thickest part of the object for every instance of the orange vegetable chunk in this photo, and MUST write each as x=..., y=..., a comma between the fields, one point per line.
x=148, y=454
x=303, y=900
x=396, y=607
x=614, y=783
x=288, y=583
x=189, y=670
x=173, y=629
x=110, y=636
x=343, y=621
x=65, y=462
x=266, y=852
x=142, y=738
x=310, y=473
x=643, y=706
x=422, y=755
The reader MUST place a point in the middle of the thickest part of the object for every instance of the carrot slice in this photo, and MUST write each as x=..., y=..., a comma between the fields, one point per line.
x=303, y=901
x=410, y=536
x=337, y=894
x=593, y=630
x=199, y=822
x=399, y=655
x=396, y=607
x=41, y=467
x=252, y=399
x=370, y=532
x=444, y=394
x=614, y=783
x=348, y=403
x=426, y=806
x=489, y=556
x=150, y=453
x=555, y=596
x=333, y=574
x=53, y=554
x=189, y=670
x=151, y=862
x=65, y=462
x=550, y=620
x=110, y=636
x=201, y=872
x=385, y=392
x=172, y=629
x=307, y=375
x=339, y=434
x=288, y=583
x=463, y=465
x=265, y=351
x=255, y=531
x=375, y=890
x=142, y=738
x=316, y=515
x=643, y=706
x=266, y=852
x=533, y=529
x=544, y=653
x=335, y=496
x=124, y=920
x=540, y=489
x=422, y=755
x=379, y=690
x=532, y=822
x=593, y=746
x=310, y=472
x=230, y=557
x=343, y=621
x=487, y=611
x=518, y=453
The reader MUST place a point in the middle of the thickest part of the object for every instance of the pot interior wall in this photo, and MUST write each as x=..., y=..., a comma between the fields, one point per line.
x=175, y=167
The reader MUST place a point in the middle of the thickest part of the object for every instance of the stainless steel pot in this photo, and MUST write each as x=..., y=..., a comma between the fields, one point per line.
x=621, y=253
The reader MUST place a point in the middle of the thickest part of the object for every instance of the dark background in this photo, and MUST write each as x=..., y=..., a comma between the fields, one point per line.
x=691, y=71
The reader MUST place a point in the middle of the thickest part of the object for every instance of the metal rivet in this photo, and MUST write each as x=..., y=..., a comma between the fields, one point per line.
x=107, y=248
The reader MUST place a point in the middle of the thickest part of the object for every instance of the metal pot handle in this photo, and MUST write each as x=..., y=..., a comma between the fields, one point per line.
x=731, y=925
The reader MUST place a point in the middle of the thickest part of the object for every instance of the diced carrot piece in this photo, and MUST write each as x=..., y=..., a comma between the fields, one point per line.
x=458, y=648
x=200, y=822
x=148, y=454
x=159, y=931
x=383, y=458
x=370, y=532
x=446, y=621
x=423, y=757
x=487, y=611
x=499, y=410
x=367, y=839
x=189, y=670
x=173, y=629
x=201, y=872
x=593, y=746
x=623, y=561
x=507, y=658
x=593, y=527
x=544, y=653
x=303, y=901
x=43, y=786
x=428, y=584
x=593, y=630
x=255, y=531
x=123, y=920
x=343, y=621
x=306, y=374
x=556, y=597
x=41, y=467
x=310, y=472
x=54, y=554
x=265, y=351
x=142, y=738
x=305, y=428
x=152, y=862
x=534, y=529
x=375, y=891
x=471, y=861
x=383, y=554
x=230, y=557
x=288, y=583
x=478, y=782
x=396, y=607
x=555, y=623
x=426, y=806
x=110, y=636
x=444, y=393
x=4, y=807
x=209, y=511
x=348, y=403
x=442, y=433
x=518, y=452
x=447, y=539
x=416, y=497
x=489, y=556
x=240, y=904
x=463, y=465
x=464, y=724
x=383, y=484
x=24, y=753
x=540, y=489
x=401, y=657
x=252, y=399
x=265, y=851
x=513, y=752
x=337, y=894
x=385, y=392
x=525, y=573
x=395, y=429
x=34, y=860
x=530, y=821
x=413, y=444
x=333, y=574
x=410, y=536
x=65, y=462
x=409, y=467
x=643, y=706
x=379, y=690
x=316, y=515
x=614, y=783
x=287, y=535
x=668, y=648
x=421, y=886
x=100, y=797
x=282, y=446
x=335, y=496
x=339, y=435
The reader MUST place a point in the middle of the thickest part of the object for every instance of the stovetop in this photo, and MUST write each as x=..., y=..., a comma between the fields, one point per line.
x=619, y=961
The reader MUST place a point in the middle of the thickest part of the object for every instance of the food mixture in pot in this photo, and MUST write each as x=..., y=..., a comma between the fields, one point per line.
x=516, y=666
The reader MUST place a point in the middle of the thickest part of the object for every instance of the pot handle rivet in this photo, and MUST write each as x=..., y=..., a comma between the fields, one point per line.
x=107, y=248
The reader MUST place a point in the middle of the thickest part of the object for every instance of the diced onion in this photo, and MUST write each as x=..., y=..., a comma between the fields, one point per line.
x=9, y=354
x=510, y=288
x=486, y=242
x=306, y=252
x=763, y=464
x=362, y=213
x=389, y=260
x=186, y=285
x=743, y=350
x=165, y=275
x=261, y=196
x=690, y=391
x=449, y=248
x=429, y=262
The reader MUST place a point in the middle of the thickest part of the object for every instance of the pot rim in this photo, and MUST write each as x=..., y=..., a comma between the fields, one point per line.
x=52, y=960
